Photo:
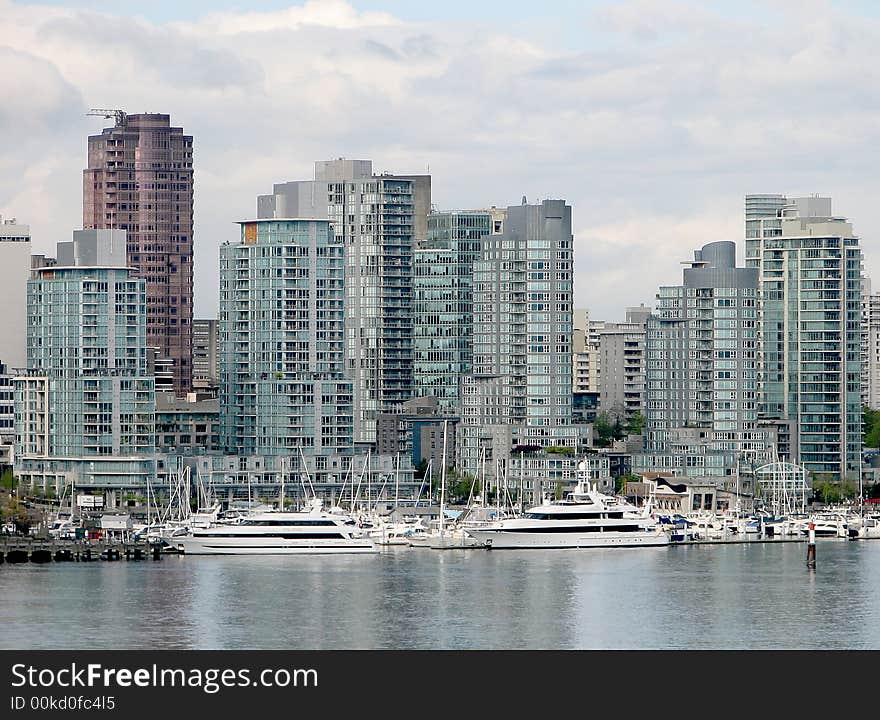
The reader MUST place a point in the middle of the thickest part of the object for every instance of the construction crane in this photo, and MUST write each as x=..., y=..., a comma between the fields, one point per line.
x=101, y=112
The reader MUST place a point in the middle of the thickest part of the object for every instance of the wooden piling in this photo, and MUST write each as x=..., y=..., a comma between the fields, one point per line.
x=811, y=547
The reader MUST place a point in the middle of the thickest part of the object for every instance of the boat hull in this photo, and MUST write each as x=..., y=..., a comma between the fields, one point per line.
x=273, y=546
x=445, y=543
x=511, y=539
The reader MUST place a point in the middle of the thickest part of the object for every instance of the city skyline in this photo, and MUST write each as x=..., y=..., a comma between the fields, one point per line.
x=653, y=126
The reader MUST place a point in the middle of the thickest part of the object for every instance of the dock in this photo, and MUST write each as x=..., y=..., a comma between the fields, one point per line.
x=741, y=540
x=36, y=550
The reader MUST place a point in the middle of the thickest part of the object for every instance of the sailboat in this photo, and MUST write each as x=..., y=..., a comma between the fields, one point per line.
x=61, y=528
x=440, y=536
x=178, y=519
x=480, y=513
x=388, y=533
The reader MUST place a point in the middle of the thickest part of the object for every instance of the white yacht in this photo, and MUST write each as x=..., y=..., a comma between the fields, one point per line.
x=311, y=532
x=585, y=519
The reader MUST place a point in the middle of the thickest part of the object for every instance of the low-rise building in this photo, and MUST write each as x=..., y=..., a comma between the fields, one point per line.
x=417, y=430
x=187, y=426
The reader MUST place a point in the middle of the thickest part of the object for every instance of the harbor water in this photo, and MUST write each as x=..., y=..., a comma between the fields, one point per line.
x=739, y=596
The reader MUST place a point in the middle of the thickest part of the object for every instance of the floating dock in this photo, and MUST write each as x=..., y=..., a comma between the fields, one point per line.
x=739, y=540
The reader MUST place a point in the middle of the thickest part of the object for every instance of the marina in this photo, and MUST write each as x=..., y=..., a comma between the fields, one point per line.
x=294, y=534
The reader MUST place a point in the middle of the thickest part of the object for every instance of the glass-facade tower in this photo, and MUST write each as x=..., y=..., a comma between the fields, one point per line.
x=443, y=303
x=810, y=269
x=140, y=179
x=703, y=361
x=282, y=387
x=374, y=218
x=522, y=346
x=85, y=410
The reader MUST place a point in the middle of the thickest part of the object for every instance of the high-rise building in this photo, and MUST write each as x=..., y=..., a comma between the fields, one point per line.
x=870, y=346
x=7, y=417
x=585, y=350
x=809, y=264
x=206, y=354
x=519, y=393
x=282, y=388
x=140, y=179
x=702, y=355
x=15, y=266
x=374, y=218
x=443, y=303
x=702, y=376
x=85, y=409
x=523, y=312
x=621, y=361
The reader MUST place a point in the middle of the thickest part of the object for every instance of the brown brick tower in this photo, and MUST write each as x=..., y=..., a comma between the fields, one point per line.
x=140, y=179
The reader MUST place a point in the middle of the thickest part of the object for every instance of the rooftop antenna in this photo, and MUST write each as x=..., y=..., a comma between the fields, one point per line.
x=105, y=113
x=524, y=202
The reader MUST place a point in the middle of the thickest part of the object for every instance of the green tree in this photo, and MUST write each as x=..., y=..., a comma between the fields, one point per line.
x=421, y=469
x=13, y=510
x=871, y=427
x=834, y=491
x=7, y=480
x=559, y=450
x=621, y=480
x=458, y=486
x=636, y=424
x=603, y=429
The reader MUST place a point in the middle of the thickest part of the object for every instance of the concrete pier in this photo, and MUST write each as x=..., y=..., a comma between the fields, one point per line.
x=25, y=549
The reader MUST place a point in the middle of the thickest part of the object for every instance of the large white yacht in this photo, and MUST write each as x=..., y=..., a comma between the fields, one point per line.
x=311, y=532
x=584, y=519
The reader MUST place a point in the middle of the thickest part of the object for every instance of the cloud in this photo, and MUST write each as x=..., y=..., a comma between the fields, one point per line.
x=36, y=97
x=653, y=126
x=315, y=13
x=155, y=54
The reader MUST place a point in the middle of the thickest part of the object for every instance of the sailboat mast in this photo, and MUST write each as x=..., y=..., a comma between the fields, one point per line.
x=397, y=483
x=443, y=479
x=861, y=499
x=281, y=504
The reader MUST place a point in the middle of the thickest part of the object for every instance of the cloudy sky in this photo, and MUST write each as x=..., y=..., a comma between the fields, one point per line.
x=651, y=118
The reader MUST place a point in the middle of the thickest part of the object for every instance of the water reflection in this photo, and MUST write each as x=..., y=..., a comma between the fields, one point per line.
x=736, y=596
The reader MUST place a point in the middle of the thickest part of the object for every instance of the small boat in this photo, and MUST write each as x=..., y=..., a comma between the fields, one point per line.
x=445, y=539
x=62, y=529
x=753, y=526
x=398, y=533
x=439, y=536
x=866, y=528
x=828, y=525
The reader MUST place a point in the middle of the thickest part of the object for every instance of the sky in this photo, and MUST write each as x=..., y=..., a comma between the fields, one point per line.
x=652, y=119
